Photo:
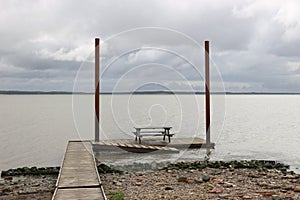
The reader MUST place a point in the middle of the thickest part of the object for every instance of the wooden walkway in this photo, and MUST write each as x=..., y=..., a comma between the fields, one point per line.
x=78, y=177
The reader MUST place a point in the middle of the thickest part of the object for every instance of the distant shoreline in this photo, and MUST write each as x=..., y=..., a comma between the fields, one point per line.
x=13, y=92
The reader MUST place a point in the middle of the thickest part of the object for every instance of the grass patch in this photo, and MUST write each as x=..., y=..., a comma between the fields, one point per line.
x=115, y=195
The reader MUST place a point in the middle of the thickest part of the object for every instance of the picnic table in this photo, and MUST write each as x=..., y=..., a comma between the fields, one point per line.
x=152, y=131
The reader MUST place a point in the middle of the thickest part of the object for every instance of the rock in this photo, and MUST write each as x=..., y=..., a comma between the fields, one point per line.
x=263, y=184
x=198, y=181
x=138, y=183
x=159, y=184
x=246, y=197
x=252, y=175
x=208, y=186
x=35, y=185
x=223, y=196
x=289, y=187
x=8, y=178
x=186, y=179
x=272, y=186
x=267, y=193
x=219, y=181
x=216, y=191
x=169, y=171
x=276, y=197
x=297, y=188
x=190, y=180
x=227, y=184
x=205, y=178
x=289, y=176
x=182, y=179
x=6, y=191
x=117, y=183
x=231, y=168
x=140, y=173
x=169, y=188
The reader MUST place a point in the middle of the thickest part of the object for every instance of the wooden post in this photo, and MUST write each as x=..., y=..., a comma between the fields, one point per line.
x=207, y=94
x=97, y=89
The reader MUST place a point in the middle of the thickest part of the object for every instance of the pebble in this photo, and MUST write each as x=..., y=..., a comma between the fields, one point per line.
x=159, y=184
x=223, y=196
x=138, y=183
x=205, y=178
x=182, y=179
x=190, y=180
x=198, y=181
x=169, y=188
x=246, y=197
x=276, y=197
x=297, y=188
x=289, y=176
x=118, y=183
x=227, y=184
x=216, y=191
x=8, y=178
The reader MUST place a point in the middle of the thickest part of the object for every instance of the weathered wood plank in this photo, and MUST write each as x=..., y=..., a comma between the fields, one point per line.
x=79, y=193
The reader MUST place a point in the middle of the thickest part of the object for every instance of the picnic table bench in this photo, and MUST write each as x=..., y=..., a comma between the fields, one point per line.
x=152, y=131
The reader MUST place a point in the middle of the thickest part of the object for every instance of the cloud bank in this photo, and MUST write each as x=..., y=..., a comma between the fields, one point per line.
x=255, y=45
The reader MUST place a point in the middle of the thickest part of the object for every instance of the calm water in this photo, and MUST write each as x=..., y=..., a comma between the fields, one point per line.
x=34, y=129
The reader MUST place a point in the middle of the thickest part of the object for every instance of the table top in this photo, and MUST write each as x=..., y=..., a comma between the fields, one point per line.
x=154, y=127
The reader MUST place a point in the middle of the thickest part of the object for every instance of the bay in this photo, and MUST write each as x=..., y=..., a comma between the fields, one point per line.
x=34, y=129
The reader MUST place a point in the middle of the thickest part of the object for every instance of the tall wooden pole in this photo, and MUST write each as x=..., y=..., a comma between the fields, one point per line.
x=207, y=94
x=97, y=88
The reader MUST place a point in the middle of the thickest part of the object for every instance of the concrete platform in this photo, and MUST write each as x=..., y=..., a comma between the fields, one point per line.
x=151, y=145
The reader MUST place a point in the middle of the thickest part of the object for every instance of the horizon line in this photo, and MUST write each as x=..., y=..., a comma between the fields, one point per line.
x=134, y=92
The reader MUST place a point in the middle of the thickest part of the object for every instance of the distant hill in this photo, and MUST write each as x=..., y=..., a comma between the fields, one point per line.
x=34, y=92
x=141, y=92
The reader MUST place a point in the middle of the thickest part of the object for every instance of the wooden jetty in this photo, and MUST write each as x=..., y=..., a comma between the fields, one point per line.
x=151, y=145
x=78, y=177
x=179, y=142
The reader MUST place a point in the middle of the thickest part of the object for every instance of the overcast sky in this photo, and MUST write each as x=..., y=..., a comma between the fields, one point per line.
x=45, y=45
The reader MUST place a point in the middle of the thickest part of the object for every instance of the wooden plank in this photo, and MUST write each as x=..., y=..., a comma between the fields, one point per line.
x=161, y=135
x=79, y=193
x=154, y=127
x=157, y=131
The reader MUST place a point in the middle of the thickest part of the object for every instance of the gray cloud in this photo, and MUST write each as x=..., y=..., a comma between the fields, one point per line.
x=255, y=44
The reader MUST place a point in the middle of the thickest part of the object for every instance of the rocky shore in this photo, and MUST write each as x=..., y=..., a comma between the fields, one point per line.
x=213, y=180
x=27, y=187
x=183, y=180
